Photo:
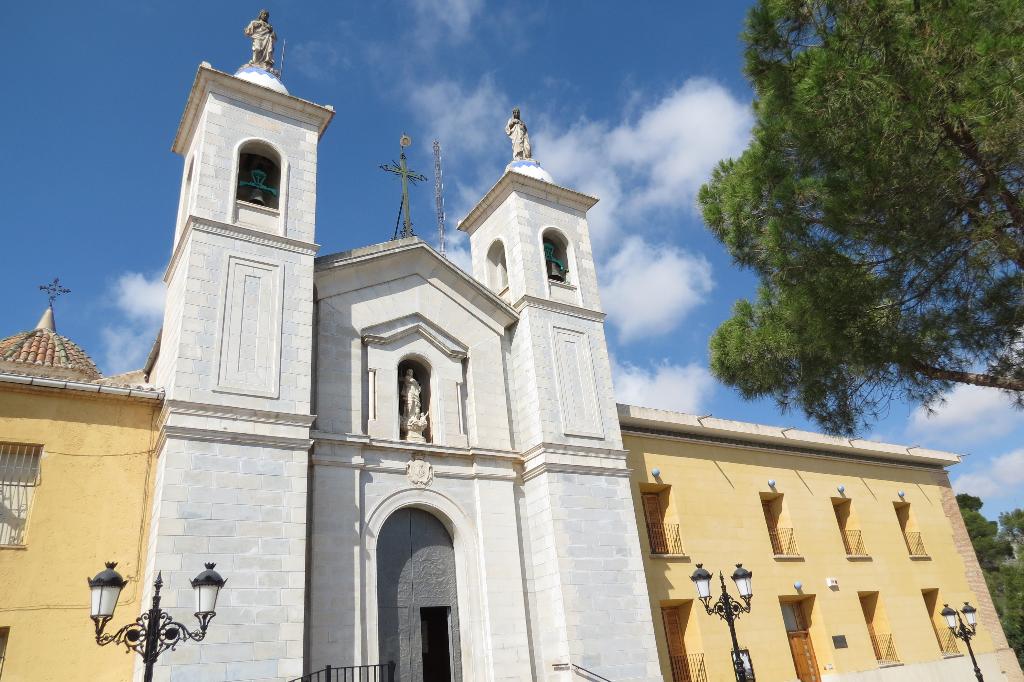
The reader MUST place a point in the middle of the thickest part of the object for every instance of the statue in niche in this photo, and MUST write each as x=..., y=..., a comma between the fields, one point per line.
x=413, y=420
x=516, y=129
x=263, y=37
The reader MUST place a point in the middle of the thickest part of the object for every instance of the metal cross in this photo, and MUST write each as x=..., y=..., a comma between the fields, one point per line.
x=54, y=290
x=408, y=176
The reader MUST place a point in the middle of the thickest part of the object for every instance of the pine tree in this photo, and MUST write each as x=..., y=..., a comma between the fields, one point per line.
x=880, y=204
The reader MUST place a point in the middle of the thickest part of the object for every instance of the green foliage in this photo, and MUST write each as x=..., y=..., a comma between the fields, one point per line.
x=969, y=502
x=1007, y=587
x=879, y=203
x=995, y=545
x=992, y=548
x=1012, y=523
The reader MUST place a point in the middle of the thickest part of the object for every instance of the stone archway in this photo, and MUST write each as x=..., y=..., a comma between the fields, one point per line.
x=417, y=602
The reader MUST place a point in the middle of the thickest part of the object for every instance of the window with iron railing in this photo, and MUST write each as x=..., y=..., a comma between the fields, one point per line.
x=783, y=542
x=947, y=642
x=663, y=537
x=688, y=668
x=915, y=545
x=885, y=649
x=783, y=539
x=19, y=476
x=853, y=541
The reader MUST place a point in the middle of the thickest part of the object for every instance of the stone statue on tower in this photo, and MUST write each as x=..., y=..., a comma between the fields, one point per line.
x=516, y=129
x=263, y=37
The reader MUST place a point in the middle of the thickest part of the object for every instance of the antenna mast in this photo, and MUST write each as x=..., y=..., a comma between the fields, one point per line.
x=439, y=196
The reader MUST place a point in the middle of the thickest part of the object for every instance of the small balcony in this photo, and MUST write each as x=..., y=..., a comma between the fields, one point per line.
x=664, y=538
x=915, y=545
x=688, y=668
x=783, y=542
x=853, y=541
x=885, y=649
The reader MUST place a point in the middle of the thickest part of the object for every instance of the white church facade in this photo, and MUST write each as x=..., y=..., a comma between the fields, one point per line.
x=388, y=458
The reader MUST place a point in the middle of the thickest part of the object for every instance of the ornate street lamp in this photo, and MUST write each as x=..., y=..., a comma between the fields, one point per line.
x=728, y=609
x=964, y=630
x=154, y=632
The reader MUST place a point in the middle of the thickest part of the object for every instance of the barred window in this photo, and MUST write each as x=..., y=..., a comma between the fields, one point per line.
x=19, y=476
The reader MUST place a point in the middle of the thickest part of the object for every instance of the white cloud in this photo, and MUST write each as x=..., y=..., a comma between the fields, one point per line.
x=140, y=301
x=652, y=161
x=665, y=386
x=657, y=161
x=648, y=289
x=139, y=297
x=454, y=16
x=968, y=414
x=1002, y=476
x=125, y=348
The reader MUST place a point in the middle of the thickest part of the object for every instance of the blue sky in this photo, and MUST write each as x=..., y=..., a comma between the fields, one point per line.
x=631, y=102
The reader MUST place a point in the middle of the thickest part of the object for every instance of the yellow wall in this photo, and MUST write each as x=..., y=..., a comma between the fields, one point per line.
x=715, y=499
x=91, y=506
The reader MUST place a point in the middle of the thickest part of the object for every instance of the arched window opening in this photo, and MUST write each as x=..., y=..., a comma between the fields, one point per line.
x=414, y=401
x=186, y=195
x=556, y=256
x=259, y=176
x=496, y=267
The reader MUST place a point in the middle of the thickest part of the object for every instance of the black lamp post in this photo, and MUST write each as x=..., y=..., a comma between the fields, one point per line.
x=727, y=608
x=964, y=630
x=154, y=632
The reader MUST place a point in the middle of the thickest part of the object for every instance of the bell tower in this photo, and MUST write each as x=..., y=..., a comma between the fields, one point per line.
x=530, y=244
x=235, y=360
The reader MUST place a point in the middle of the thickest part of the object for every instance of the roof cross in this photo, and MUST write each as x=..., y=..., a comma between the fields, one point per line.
x=408, y=176
x=54, y=290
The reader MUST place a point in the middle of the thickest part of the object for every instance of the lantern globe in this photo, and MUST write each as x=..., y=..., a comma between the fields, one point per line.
x=742, y=578
x=970, y=614
x=207, y=586
x=702, y=579
x=104, y=590
x=950, y=616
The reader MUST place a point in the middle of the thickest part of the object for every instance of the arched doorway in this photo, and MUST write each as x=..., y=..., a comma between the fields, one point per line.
x=418, y=615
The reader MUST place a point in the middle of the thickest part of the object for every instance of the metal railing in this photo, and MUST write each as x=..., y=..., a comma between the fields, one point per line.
x=783, y=541
x=382, y=672
x=664, y=538
x=915, y=545
x=19, y=475
x=854, y=543
x=688, y=668
x=885, y=650
x=581, y=671
x=947, y=642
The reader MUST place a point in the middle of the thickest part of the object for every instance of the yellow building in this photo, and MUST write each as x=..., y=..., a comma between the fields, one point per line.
x=76, y=455
x=854, y=548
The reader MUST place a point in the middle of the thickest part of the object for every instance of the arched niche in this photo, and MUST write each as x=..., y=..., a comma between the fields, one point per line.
x=414, y=427
x=497, y=267
x=259, y=175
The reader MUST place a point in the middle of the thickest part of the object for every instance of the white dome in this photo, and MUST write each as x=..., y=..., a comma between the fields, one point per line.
x=530, y=167
x=255, y=74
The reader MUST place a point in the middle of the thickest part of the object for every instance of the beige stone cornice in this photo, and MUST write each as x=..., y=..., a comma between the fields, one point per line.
x=511, y=182
x=245, y=234
x=209, y=79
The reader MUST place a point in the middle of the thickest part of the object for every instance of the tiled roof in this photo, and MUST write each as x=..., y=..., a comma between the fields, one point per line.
x=43, y=351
